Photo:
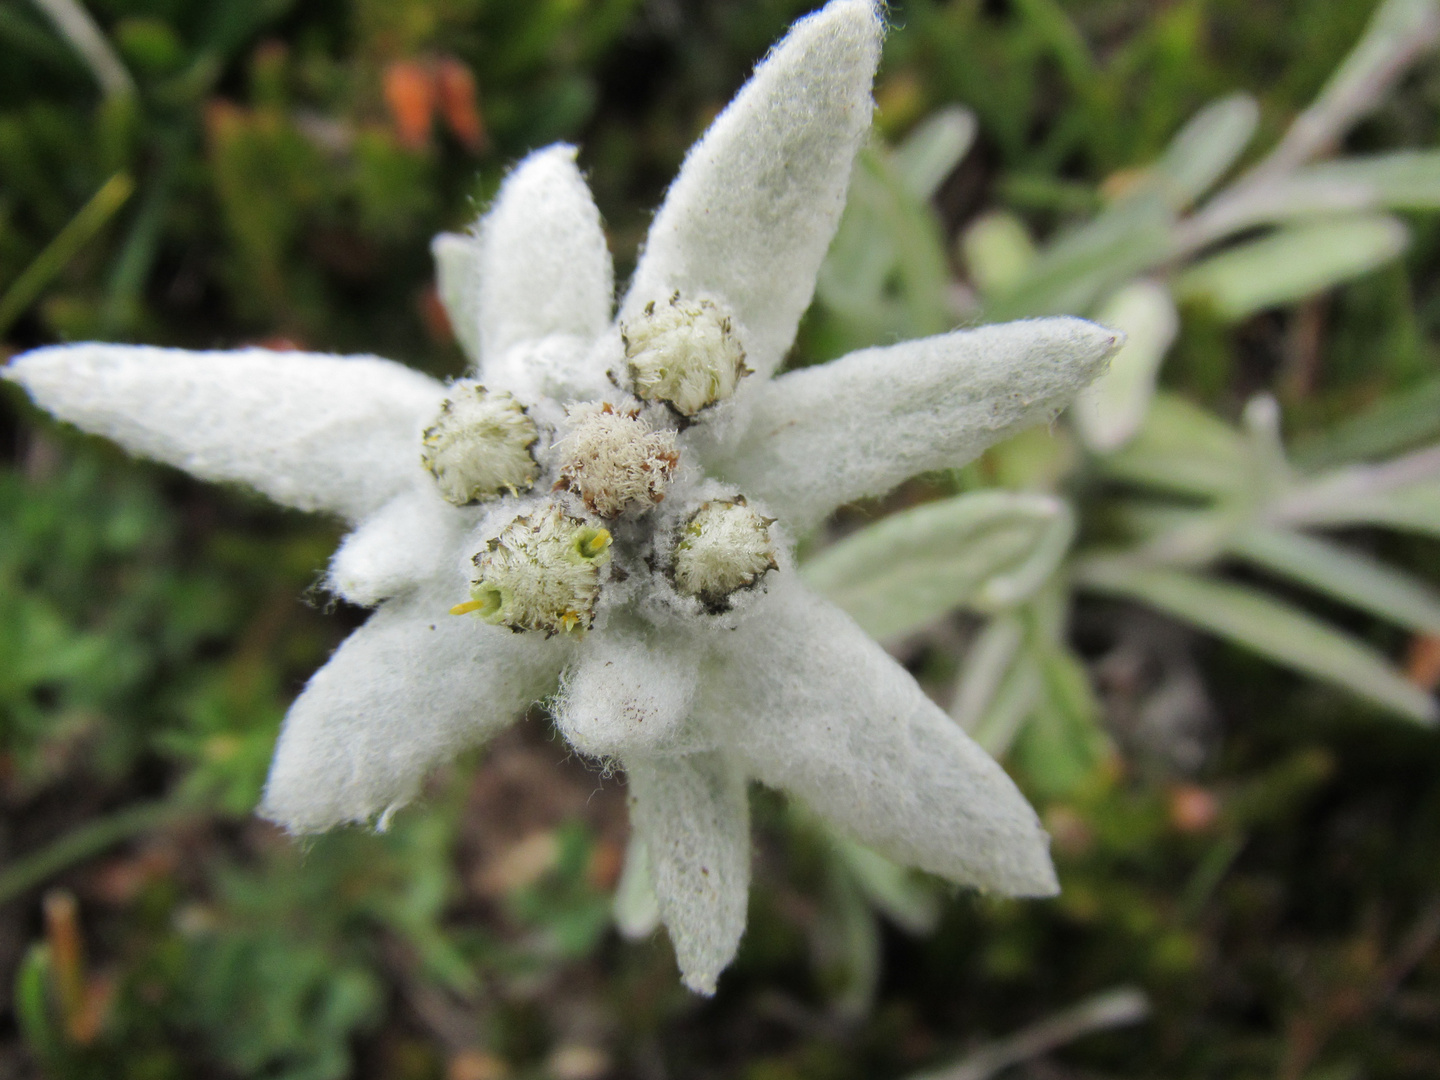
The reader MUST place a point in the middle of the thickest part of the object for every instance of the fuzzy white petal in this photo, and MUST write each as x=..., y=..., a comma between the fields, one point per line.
x=693, y=817
x=457, y=279
x=629, y=694
x=405, y=692
x=748, y=219
x=411, y=538
x=813, y=706
x=544, y=266
x=857, y=426
x=318, y=432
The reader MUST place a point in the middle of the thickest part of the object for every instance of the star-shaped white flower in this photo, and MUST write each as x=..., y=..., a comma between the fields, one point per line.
x=600, y=518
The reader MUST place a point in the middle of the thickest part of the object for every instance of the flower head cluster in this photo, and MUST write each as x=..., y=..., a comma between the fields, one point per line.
x=601, y=517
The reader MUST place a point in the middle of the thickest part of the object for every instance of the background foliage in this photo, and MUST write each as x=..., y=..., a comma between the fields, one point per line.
x=1256, y=851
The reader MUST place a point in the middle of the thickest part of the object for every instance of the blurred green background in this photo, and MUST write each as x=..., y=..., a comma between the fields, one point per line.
x=1262, y=860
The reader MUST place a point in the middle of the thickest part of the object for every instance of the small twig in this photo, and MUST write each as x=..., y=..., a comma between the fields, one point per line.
x=79, y=29
x=1114, y=1008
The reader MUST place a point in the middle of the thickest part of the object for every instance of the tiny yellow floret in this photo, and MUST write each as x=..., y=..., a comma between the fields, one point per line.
x=542, y=573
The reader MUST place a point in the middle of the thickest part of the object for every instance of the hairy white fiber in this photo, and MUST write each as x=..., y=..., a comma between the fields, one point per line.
x=692, y=815
x=810, y=705
x=630, y=692
x=404, y=693
x=457, y=279
x=408, y=541
x=336, y=433
x=480, y=446
x=825, y=435
x=748, y=219
x=544, y=265
x=683, y=352
x=615, y=459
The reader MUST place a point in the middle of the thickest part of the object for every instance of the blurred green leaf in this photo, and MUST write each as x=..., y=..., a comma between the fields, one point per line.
x=1272, y=628
x=988, y=549
x=1062, y=744
x=85, y=842
x=931, y=152
x=1071, y=274
x=1346, y=575
x=1109, y=411
x=999, y=722
x=1205, y=149
x=1184, y=449
x=636, y=909
x=88, y=221
x=1291, y=264
x=988, y=662
x=907, y=900
x=1403, y=493
x=36, y=1014
x=1393, y=424
x=998, y=252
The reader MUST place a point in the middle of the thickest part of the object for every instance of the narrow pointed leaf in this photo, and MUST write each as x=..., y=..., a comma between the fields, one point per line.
x=989, y=549
x=1348, y=576
x=857, y=426
x=1184, y=449
x=1109, y=411
x=1206, y=148
x=1270, y=627
x=457, y=279
x=757, y=201
x=1289, y=265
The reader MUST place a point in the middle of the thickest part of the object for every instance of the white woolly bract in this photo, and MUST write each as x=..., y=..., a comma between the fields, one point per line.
x=810, y=705
x=779, y=686
x=825, y=435
x=756, y=203
x=683, y=352
x=317, y=432
x=544, y=265
x=615, y=459
x=629, y=692
x=481, y=445
x=406, y=691
x=694, y=819
x=546, y=372
x=409, y=540
x=541, y=573
x=724, y=546
x=457, y=280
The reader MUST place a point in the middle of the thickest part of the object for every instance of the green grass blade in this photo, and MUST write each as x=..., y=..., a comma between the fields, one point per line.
x=57, y=254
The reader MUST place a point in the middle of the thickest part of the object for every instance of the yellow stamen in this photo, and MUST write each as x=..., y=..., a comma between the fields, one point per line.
x=467, y=607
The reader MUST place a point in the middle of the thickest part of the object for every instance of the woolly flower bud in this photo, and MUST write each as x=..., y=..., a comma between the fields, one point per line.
x=614, y=459
x=684, y=353
x=480, y=445
x=724, y=547
x=541, y=573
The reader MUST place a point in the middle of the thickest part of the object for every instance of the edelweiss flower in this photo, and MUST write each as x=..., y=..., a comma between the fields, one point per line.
x=602, y=517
